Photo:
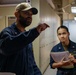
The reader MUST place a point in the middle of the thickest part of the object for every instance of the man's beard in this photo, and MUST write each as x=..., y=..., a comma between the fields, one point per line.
x=24, y=22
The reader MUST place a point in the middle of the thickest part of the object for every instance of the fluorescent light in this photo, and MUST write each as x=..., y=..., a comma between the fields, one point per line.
x=75, y=18
x=73, y=9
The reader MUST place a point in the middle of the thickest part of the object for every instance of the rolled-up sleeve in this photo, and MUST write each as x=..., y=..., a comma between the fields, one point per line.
x=51, y=60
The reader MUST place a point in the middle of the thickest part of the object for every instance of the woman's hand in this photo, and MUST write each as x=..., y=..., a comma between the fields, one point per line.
x=61, y=63
x=72, y=58
x=65, y=63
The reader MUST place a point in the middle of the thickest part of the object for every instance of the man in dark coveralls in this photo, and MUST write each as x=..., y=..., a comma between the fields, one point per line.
x=16, y=54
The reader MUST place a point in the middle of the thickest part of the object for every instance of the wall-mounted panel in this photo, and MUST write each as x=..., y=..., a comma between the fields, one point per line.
x=48, y=38
x=2, y=2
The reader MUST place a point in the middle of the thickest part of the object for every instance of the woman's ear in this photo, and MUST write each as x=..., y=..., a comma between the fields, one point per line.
x=69, y=33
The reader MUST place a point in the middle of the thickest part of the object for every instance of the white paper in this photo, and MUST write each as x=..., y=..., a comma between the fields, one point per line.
x=58, y=56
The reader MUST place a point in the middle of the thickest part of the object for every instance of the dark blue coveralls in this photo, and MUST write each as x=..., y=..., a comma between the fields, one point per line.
x=16, y=53
x=72, y=50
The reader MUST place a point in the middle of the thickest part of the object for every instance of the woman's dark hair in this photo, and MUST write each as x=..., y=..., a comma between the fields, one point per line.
x=64, y=27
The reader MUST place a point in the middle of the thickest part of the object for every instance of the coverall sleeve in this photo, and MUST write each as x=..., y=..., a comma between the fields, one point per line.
x=10, y=44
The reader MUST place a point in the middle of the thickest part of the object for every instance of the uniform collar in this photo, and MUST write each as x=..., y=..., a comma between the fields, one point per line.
x=72, y=45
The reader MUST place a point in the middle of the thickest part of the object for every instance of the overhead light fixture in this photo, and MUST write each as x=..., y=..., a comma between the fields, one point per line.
x=73, y=9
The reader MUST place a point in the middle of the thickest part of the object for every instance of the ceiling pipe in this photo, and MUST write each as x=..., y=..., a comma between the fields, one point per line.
x=51, y=3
